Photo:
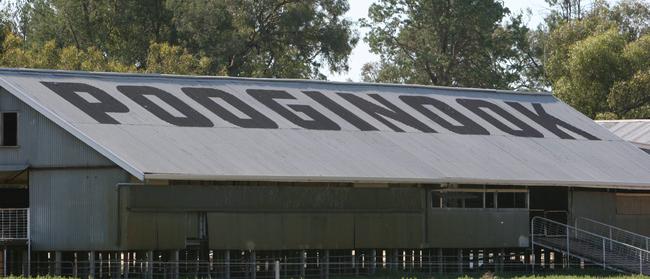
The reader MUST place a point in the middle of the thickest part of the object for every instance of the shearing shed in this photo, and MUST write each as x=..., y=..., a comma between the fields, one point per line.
x=118, y=175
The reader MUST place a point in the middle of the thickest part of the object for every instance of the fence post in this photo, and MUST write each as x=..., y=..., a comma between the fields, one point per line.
x=91, y=264
x=327, y=264
x=149, y=272
x=604, y=256
x=57, y=263
x=277, y=269
x=373, y=261
x=303, y=263
x=175, y=268
x=459, y=258
x=226, y=265
x=532, y=240
x=29, y=243
x=532, y=259
x=4, y=262
x=610, y=239
x=640, y=262
x=568, y=256
x=253, y=267
x=127, y=264
x=324, y=264
x=441, y=261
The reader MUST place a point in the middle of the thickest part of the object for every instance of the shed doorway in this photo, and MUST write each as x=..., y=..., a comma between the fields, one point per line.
x=550, y=202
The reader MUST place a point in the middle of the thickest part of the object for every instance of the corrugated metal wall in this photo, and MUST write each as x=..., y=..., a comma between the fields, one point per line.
x=601, y=206
x=275, y=231
x=279, y=217
x=317, y=217
x=470, y=228
x=74, y=209
x=71, y=186
x=154, y=231
x=42, y=143
x=275, y=198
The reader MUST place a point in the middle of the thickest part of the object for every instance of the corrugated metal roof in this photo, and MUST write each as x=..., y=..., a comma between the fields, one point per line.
x=636, y=131
x=13, y=168
x=355, y=132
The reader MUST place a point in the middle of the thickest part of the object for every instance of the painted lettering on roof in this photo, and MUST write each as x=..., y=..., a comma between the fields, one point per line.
x=168, y=107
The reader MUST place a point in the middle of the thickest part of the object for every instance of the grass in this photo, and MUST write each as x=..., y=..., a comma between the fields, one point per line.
x=469, y=276
x=507, y=276
x=561, y=274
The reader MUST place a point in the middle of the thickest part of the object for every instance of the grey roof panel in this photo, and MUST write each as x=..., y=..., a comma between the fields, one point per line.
x=636, y=131
x=151, y=148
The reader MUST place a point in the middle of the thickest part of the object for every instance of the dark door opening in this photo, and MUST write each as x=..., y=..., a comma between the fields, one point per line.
x=550, y=202
x=14, y=197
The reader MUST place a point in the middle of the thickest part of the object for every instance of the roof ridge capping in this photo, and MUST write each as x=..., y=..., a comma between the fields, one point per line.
x=174, y=76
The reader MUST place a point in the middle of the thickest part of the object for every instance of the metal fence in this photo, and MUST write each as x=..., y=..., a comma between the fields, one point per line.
x=607, y=252
x=278, y=269
x=14, y=224
x=282, y=265
x=260, y=270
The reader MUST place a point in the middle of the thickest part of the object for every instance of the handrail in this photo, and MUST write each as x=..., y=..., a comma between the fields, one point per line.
x=589, y=233
x=647, y=239
x=591, y=246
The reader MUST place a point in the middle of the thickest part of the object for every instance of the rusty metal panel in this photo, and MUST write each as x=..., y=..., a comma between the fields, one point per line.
x=636, y=223
x=387, y=230
x=274, y=231
x=74, y=209
x=291, y=217
x=594, y=205
x=471, y=228
x=245, y=231
x=602, y=206
x=274, y=198
x=155, y=231
x=318, y=231
x=192, y=225
x=149, y=147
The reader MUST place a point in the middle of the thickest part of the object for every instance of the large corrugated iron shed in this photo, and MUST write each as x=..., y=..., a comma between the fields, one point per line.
x=636, y=131
x=213, y=128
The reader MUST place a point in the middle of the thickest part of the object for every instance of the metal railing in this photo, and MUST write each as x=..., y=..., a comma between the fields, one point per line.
x=14, y=224
x=573, y=242
x=615, y=233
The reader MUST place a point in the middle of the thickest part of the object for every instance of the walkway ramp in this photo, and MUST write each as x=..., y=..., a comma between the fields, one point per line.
x=589, y=246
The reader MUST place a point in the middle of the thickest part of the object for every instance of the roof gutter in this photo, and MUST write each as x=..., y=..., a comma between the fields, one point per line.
x=452, y=180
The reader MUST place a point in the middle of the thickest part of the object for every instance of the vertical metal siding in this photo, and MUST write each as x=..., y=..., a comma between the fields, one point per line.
x=71, y=209
x=43, y=143
x=601, y=206
x=469, y=228
x=74, y=209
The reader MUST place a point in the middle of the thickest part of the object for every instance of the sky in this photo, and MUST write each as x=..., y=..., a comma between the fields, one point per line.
x=361, y=53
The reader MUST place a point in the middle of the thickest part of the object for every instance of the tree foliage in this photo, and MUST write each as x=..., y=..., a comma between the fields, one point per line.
x=267, y=38
x=597, y=62
x=594, y=57
x=452, y=43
